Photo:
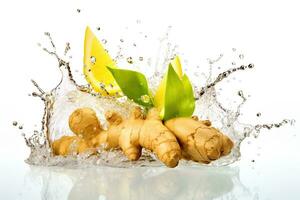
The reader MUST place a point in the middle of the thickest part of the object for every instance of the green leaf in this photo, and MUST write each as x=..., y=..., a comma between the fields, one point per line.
x=134, y=85
x=172, y=96
x=179, y=96
x=188, y=104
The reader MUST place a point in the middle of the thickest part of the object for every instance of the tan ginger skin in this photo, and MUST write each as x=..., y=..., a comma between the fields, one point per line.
x=199, y=141
x=130, y=135
x=85, y=124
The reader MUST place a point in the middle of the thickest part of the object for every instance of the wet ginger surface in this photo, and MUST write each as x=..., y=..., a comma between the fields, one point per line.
x=175, y=139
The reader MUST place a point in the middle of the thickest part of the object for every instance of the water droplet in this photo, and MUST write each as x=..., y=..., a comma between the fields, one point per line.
x=102, y=85
x=78, y=10
x=241, y=56
x=121, y=40
x=250, y=65
x=98, y=28
x=93, y=60
x=258, y=114
x=240, y=93
x=122, y=99
x=15, y=123
x=145, y=98
x=141, y=58
x=129, y=60
x=20, y=127
x=104, y=41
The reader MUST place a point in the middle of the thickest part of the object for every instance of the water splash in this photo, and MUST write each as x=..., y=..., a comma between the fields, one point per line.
x=63, y=99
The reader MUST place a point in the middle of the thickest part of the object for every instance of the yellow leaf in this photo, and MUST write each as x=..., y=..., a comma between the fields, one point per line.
x=177, y=66
x=96, y=60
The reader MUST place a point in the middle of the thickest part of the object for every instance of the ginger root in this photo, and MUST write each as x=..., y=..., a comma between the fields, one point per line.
x=188, y=137
x=85, y=124
x=199, y=141
x=136, y=132
x=130, y=135
x=69, y=144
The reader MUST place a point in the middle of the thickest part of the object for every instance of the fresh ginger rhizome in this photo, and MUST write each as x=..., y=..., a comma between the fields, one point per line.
x=178, y=138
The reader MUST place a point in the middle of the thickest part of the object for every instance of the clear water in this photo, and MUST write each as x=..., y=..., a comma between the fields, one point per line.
x=68, y=95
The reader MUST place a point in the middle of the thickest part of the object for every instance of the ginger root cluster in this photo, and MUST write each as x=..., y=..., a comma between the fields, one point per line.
x=187, y=138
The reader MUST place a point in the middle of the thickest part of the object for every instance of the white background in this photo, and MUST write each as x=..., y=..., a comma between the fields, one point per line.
x=267, y=32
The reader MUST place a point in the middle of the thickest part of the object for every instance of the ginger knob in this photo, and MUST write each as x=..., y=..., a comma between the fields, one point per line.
x=200, y=142
x=84, y=122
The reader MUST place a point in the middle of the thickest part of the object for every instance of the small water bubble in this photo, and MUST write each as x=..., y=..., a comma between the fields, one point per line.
x=129, y=60
x=78, y=10
x=258, y=114
x=93, y=60
x=20, y=127
x=145, y=98
x=104, y=41
x=98, y=28
x=240, y=93
x=15, y=123
x=122, y=99
x=241, y=56
x=250, y=66
x=292, y=122
x=141, y=58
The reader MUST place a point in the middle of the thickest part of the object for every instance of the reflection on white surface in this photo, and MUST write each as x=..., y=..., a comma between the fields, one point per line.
x=134, y=183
